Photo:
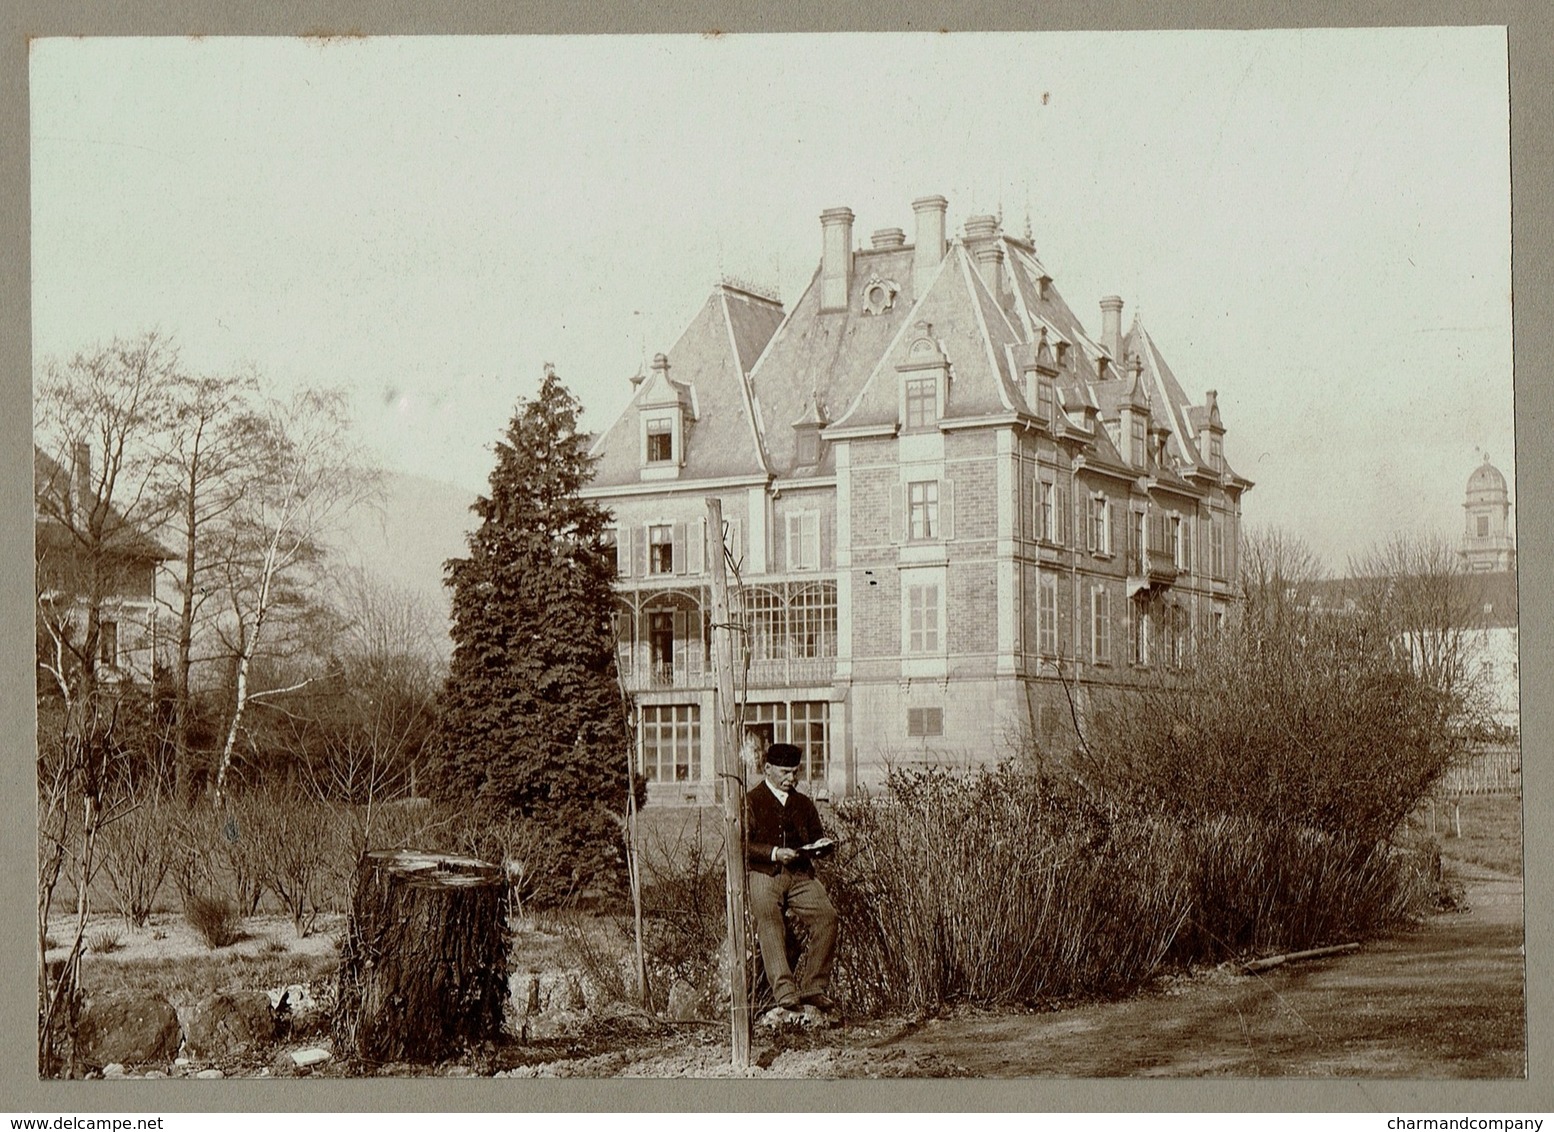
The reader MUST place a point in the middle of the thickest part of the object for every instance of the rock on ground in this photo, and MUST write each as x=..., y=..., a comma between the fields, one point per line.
x=228, y=1023
x=130, y=1029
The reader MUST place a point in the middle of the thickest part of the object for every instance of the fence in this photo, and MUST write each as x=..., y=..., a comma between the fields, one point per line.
x=1489, y=770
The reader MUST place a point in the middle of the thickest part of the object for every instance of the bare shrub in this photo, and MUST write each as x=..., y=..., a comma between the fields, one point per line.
x=137, y=855
x=1000, y=887
x=1310, y=721
x=214, y=917
x=104, y=941
x=297, y=850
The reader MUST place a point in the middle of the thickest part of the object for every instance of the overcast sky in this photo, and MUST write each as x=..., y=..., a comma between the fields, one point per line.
x=1314, y=223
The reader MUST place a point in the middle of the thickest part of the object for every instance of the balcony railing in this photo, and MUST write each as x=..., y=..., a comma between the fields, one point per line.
x=688, y=669
x=792, y=671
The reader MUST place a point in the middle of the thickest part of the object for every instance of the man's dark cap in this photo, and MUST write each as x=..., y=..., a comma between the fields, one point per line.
x=783, y=754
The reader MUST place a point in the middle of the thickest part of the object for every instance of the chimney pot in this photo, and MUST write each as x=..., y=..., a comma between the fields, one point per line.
x=661, y=363
x=836, y=257
x=981, y=227
x=889, y=238
x=928, y=252
x=990, y=259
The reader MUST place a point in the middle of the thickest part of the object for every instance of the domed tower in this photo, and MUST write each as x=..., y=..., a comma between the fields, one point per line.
x=1487, y=542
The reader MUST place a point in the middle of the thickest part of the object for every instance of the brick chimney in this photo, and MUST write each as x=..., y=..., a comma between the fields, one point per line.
x=928, y=252
x=887, y=238
x=836, y=257
x=80, y=501
x=990, y=260
x=1111, y=327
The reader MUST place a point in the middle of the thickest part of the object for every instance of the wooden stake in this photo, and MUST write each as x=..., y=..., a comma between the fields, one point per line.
x=731, y=781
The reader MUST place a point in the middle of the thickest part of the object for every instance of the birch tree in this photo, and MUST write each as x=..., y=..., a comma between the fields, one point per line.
x=305, y=472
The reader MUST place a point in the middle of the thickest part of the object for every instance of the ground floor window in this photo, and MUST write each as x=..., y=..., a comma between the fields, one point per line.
x=804, y=723
x=923, y=722
x=671, y=743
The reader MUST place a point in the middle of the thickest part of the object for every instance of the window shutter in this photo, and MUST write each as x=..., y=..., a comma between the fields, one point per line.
x=812, y=540
x=623, y=551
x=1027, y=491
x=681, y=643
x=1109, y=532
x=1090, y=524
x=696, y=548
x=639, y=550
x=792, y=539
x=679, y=548
x=947, y=509
x=1065, y=514
x=897, y=512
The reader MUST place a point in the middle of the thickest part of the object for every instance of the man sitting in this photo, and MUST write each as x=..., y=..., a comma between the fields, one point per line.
x=782, y=837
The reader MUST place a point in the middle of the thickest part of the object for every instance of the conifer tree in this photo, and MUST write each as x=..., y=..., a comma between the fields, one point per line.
x=531, y=727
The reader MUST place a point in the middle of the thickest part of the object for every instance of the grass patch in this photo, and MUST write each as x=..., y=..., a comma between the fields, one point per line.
x=1491, y=830
x=187, y=979
x=105, y=941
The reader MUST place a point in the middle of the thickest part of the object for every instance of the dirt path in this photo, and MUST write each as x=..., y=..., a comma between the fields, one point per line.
x=1444, y=1000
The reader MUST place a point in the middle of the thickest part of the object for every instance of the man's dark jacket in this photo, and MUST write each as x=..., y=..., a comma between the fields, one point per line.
x=773, y=825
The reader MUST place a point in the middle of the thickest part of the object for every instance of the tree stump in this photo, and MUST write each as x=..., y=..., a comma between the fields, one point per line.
x=423, y=970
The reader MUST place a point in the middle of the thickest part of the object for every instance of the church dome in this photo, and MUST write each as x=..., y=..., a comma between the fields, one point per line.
x=1486, y=480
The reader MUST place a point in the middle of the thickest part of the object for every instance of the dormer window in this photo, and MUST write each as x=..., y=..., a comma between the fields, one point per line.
x=808, y=447
x=925, y=380
x=1043, y=400
x=1216, y=452
x=1136, y=451
x=922, y=402
x=660, y=440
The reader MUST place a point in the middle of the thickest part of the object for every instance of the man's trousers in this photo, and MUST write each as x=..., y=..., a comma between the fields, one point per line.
x=806, y=898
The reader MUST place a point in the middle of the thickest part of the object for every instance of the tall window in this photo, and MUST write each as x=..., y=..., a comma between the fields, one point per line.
x=108, y=642
x=1048, y=633
x=768, y=634
x=1217, y=545
x=1100, y=626
x=1100, y=525
x=804, y=723
x=661, y=639
x=1139, y=630
x=812, y=621
x=1046, y=512
x=922, y=618
x=1178, y=544
x=671, y=743
x=1483, y=526
x=922, y=402
x=660, y=439
x=661, y=549
x=1064, y=515
x=1216, y=451
x=1137, y=451
x=1136, y=544
x=923, y=510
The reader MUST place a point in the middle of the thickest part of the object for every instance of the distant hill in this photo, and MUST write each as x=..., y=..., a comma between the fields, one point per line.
x=404, y=537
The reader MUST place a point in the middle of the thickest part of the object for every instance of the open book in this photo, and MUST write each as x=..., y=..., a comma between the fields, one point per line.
x=817, y=848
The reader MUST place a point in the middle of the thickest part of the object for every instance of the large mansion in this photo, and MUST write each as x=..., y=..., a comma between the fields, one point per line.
x=953, y=510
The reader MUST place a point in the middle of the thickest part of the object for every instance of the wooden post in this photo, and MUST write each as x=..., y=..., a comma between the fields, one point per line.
x=732, y=783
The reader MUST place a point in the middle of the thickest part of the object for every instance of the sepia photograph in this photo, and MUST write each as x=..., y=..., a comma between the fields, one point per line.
x=776, y=556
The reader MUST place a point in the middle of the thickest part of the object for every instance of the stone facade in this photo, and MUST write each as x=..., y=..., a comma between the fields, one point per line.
x=951, y=511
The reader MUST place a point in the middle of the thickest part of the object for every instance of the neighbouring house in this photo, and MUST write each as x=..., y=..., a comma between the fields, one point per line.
x=954, y=512
x=86, y=555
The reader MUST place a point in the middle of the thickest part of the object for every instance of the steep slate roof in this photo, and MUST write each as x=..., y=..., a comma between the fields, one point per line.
x=828, y=355
x=709, y=362
x=49, y=477
x=755, y=373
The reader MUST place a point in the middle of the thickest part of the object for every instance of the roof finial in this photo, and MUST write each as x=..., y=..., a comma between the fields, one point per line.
x=550, y=370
